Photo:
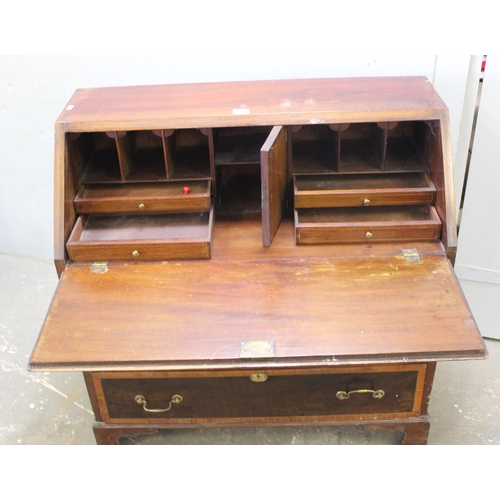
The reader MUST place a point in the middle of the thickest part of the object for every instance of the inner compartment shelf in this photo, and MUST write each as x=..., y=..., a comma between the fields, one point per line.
x=314, y=149
x=95, y=154
x=407, y=143
x=142, y=237
x=175, y=196
x=188, y=154
x=239, y=192
x=238, y=171
x=361, y=148
x=239, y=145
x=140, y=155
x=316, y=191
x=120, y=156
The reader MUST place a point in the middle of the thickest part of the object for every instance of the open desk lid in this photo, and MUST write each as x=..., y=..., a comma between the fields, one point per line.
x=335, y=311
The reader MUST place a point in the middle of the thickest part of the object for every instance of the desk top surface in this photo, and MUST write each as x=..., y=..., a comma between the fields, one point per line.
x=265, y=102
x=329, y=308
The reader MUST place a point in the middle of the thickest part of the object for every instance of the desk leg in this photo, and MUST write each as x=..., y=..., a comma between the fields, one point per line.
x=111, y=434
x=415, y=431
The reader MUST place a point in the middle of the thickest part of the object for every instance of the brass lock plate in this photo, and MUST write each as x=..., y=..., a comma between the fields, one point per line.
x=99, y=267
x=411, y=255
x=257, y=349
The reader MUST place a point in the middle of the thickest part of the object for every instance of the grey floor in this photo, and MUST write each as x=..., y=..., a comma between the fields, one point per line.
x=53, y=408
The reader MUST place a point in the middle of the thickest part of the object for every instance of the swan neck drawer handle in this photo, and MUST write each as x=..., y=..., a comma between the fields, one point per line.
x=342, y=395
x=141, y=400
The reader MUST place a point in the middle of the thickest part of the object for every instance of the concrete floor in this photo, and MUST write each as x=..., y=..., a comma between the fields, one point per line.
x=53, y=408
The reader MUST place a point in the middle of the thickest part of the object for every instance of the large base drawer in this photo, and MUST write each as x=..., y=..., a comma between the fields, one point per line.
x=226, y=396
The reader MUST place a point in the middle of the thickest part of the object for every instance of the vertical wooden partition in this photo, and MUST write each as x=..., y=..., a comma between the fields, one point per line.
x=273, y=178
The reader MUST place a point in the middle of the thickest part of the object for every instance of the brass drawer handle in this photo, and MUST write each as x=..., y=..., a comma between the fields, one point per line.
x=135, y=253
x=141, y=400
x=368, y=235
x=342, y=395
x=258, y=377
x=142, y=206
x=366, y=202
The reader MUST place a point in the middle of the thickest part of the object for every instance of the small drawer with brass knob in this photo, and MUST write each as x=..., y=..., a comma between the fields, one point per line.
x=354, y=190
x=157, y=197
x=362, y=224
x=154, y=237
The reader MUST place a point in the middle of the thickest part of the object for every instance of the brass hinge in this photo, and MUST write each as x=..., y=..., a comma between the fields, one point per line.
x=257, y=349
x=99, y=267
x=411, y=255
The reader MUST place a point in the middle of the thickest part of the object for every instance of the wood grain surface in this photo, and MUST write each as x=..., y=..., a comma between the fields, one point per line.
x=343, y=310
x=272, y=102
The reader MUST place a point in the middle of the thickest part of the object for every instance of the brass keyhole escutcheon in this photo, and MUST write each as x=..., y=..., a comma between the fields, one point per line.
x=368, y=235
x=258, y=377
x=135, y=253
x=142, y=206
x=366, y=201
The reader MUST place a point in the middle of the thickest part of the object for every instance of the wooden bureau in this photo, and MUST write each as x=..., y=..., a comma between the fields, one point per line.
x=256, y=253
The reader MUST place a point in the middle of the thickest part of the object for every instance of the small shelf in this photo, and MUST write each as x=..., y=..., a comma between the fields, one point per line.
x=187, y=154
x=144, y=154
x=406, y=146
x=141, y=156
x=239, y=192
x=240, y=145
x=361, y=148
x=96, y=154
x=314, y=149
x=141, y=237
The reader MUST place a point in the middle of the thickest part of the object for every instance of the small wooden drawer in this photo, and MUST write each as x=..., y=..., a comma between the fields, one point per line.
x=362, y=224
x=271, y=395
x=320, y=191
x=188, y=196
x=142, y=237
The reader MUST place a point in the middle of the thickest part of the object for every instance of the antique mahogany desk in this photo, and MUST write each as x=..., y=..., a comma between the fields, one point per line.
x=256, y=253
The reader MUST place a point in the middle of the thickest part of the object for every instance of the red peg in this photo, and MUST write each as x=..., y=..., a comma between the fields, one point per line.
x=187, y=189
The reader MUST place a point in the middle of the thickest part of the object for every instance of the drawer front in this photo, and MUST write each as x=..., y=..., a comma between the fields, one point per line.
x=363, y=190
x=189, y=196
x=377, y=224
x=368, y=233
x=261, y=395
x=360, y=199
x=139, y=251
x=148, y=237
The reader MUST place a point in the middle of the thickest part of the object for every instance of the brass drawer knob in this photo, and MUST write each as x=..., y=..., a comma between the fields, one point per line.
x=142, y=206
x=141, y=400
x=135, y=253
x=258, y=377
x=342, y=395
x=366, y=201
x=368, y=235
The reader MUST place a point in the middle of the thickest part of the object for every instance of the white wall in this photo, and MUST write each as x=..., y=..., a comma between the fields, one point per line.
x=478, y=261
x=34, y=89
